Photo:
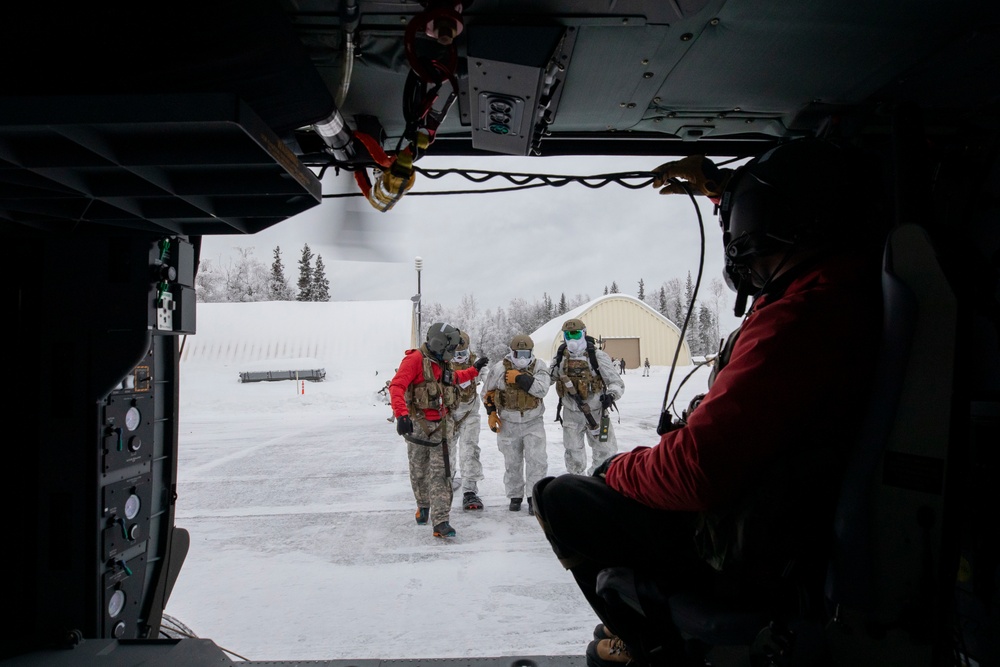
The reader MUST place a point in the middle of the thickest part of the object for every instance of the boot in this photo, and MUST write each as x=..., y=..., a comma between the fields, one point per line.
x=515, y=504
x=422, y=513
x=608, y=653
x=531, y=508
x=444, y=529
x=471, y=501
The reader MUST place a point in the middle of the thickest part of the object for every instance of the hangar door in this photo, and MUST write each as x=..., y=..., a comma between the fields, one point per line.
x=624, y=347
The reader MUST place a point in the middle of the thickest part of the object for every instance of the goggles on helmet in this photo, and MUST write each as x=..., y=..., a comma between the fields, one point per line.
x=573, y=335
x=522, y=354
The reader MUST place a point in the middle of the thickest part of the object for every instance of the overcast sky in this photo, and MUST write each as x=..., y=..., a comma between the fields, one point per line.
x=569, y=240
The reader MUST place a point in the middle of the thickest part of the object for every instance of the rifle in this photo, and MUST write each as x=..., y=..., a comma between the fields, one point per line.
x=571, y=390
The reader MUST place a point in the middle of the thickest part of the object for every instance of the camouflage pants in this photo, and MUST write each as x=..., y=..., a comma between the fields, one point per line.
x=525, y=459
x=431, y=486
x=464, y=451
x=576, y=435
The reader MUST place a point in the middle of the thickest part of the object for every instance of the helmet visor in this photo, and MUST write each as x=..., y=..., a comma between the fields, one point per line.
x=522, y=354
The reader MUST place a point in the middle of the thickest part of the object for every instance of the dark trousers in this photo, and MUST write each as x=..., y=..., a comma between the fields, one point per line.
x=592, y=527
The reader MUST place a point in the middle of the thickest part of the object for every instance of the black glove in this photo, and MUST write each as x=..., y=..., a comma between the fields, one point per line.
x=602, y=470
x=480, y=362
x=524, y=381
x=606, y=401
x=404, y=425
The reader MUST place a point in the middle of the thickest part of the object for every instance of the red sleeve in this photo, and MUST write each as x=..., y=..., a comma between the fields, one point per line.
x=792, y=380
x=466, y=374
x=411, y=368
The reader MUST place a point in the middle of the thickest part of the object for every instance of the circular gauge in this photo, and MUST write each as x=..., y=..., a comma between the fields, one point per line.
x=132, y=506
x=134, y=443
x=132, y=418
x=119, y=630
x=117, y=603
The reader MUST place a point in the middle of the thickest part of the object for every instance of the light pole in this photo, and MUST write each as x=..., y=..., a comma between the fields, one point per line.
x=418, y=262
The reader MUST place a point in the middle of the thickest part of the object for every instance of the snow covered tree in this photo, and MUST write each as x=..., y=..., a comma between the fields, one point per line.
x=278, y=286
x=305, y=283
x=614, y=287
x=562, y=303
x=642, y=290
x=605, y=290
x=209, y=283
x=662, y=307
x=246, y=279
x=320, y=285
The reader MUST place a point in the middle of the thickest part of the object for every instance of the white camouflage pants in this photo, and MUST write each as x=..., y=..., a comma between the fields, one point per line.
x=466, y=449
x=524, y=455
x=575, y=432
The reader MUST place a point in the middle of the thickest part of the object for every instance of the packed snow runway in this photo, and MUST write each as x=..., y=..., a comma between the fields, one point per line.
x=304, y=545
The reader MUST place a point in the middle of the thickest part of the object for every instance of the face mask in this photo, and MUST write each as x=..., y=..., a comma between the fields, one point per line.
x=462, y=356
x=576, y=346
x=521, y=362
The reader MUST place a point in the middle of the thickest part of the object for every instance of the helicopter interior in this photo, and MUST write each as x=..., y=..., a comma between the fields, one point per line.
x=128, y=132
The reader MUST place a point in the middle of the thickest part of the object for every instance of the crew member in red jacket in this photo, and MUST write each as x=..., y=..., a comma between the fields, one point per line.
x=423, y=392
x=774, y=429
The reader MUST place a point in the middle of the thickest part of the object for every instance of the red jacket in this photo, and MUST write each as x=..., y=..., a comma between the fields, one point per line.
x=411, y=371
x=799, y=371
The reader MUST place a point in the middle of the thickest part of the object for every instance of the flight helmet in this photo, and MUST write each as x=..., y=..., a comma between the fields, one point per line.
x=442, y=341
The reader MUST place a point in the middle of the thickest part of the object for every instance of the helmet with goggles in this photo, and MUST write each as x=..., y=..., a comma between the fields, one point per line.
x=521, y=346
x=574, y=329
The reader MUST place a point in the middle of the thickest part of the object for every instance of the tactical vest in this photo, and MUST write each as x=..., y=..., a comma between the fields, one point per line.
x=512, y=397
x=431, y=394
x=585, y=381
x=465, y=394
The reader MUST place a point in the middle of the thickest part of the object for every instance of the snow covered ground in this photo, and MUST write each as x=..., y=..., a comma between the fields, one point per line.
x=300, y=511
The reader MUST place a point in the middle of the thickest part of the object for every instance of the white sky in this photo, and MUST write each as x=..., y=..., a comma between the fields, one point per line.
x=569, y=240
x=300, y=511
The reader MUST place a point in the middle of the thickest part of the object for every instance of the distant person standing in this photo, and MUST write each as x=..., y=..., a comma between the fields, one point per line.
x=645, y=368
x=513, y=393
x=465, y=450
x=621, y=363
x=423, y=393
x=588, y=384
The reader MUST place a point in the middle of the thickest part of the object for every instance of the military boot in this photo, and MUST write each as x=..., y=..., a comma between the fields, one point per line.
x=444, y=529
x=421, y=515
x=515, y=504
x=471, y=501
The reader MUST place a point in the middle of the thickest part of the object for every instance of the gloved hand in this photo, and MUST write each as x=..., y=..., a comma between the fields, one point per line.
x=494, y=420
x=511, y=376
x=524, y=381
x=702, y=175
x=606, y=401
x=404, y=425
x=480, y=362
x=602, y=470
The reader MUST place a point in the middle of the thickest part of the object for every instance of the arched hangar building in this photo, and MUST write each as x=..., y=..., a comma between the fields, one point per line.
x=627, y=327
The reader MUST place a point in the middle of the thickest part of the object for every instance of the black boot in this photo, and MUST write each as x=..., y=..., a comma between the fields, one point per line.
x=471, y=501
x=515, y=504
x=531, y=508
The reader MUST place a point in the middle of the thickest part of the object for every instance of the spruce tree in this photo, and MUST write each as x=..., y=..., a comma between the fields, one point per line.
x=614, y=287
x=642, y=290
x=277, y=283
x=663, y=300
x=605, y=290
x=320, y=286
x=562, y=303
x=305, y=283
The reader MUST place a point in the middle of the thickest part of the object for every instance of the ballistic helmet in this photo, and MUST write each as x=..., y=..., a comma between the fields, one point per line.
x=463, y=343
x=442, y=341
x=522, y=342
x=574, y=325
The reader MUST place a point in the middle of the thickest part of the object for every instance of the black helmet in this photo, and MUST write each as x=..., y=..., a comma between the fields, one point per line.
x=442, y=341
x=796, y=195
